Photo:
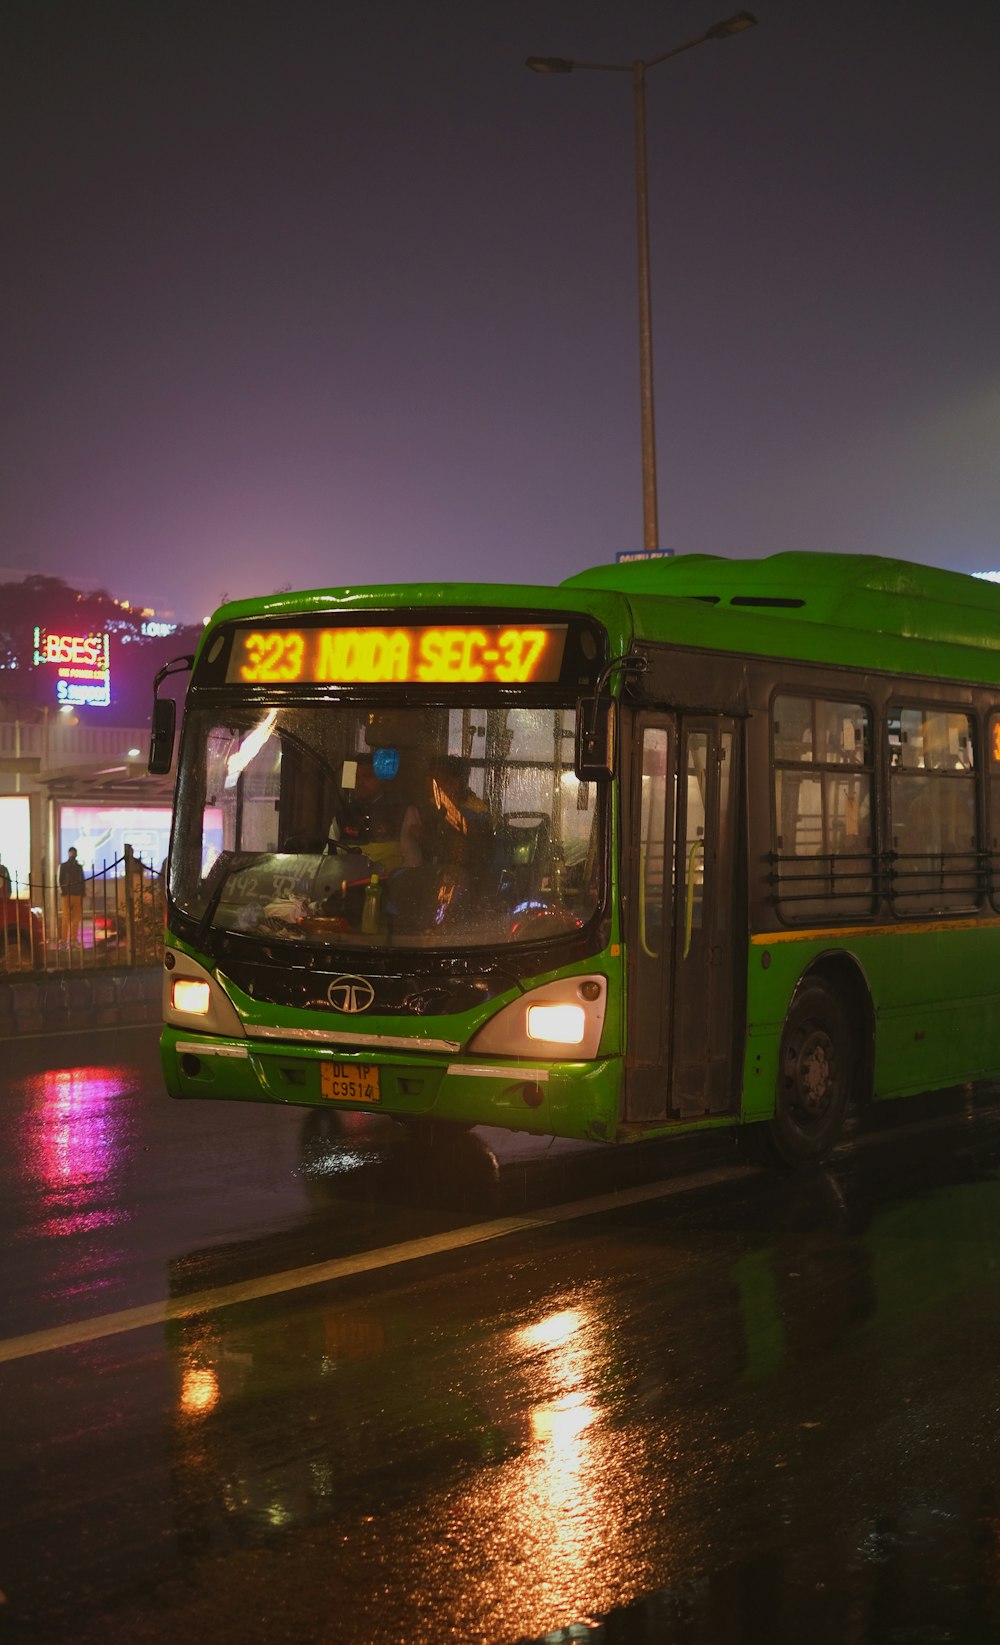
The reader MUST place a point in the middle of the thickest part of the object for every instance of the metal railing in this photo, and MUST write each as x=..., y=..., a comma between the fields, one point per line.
x=118, y=921
x=907, y=882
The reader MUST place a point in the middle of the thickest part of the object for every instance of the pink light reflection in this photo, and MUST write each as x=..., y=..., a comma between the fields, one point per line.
x=82, y=1136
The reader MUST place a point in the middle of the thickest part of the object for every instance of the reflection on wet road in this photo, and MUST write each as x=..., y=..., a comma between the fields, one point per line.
x=757, y=1409
x=755, y=1405
x=73, y=1152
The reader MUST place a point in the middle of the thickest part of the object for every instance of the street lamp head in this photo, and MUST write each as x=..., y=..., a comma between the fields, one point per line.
x=731, y=25
x=549, y=65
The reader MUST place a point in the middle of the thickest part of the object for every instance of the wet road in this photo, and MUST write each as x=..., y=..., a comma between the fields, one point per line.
x=731, y=1407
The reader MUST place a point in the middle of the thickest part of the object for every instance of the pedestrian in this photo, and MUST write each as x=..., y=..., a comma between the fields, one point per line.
x=71, y=895
x=4, y=882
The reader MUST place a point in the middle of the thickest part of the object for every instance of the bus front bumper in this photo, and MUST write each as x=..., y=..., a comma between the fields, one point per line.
x=565, y=1099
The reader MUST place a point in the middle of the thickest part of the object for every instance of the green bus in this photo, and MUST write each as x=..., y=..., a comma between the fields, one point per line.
x=676, y=844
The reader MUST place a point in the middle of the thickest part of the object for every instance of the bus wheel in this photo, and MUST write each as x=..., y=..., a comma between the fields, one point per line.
x=814, y=1078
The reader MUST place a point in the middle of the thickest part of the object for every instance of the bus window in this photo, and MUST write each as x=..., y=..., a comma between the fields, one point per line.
x=691, y=868
x=271, y=837
x=824, y=862
x=792, y=729
x=652, y=844
x=993, y=753
x=932, y=810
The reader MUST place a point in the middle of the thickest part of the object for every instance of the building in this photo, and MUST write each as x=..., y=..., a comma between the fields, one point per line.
x=76, y=682
x=63, y=783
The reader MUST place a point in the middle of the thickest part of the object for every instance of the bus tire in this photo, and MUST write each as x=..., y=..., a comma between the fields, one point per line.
x=815, y=1071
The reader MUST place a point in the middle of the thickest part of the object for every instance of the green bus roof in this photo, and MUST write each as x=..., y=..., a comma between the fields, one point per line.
x=854, y=609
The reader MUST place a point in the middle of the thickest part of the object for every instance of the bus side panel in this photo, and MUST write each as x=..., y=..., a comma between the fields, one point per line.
x=937, y=1004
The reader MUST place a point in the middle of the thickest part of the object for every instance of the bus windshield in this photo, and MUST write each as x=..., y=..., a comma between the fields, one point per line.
x=359, y=826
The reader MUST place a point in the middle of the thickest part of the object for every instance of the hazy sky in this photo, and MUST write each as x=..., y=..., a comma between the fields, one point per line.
x=327, y=293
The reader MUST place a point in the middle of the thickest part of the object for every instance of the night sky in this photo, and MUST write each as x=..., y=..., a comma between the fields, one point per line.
x=302, y=293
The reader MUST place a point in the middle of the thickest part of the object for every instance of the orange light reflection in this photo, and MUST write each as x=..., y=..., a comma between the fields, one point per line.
x=560, y=1510
x=199, y=1390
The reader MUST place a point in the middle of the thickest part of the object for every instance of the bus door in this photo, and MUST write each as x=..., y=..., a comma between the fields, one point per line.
x=681, y=925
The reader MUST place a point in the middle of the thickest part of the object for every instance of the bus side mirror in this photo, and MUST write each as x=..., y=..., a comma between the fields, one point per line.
x=596, y=721
x=161, y=742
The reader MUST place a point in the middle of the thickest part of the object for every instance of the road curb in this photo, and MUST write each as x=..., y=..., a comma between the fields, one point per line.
x=52, y=1003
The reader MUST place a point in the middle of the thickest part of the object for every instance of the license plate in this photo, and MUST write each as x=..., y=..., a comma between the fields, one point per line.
x=349, y=1081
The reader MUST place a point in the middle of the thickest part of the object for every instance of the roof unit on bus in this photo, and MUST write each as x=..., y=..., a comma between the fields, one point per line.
x=857, y=591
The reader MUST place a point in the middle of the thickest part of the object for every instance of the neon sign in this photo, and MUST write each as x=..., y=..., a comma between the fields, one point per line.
x=447, y=654
x=82, y=664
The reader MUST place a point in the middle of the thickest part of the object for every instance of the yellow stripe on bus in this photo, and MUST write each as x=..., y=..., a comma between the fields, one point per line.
x=767, y=939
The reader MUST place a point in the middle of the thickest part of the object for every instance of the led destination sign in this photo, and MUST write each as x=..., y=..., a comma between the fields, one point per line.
x=448, y=654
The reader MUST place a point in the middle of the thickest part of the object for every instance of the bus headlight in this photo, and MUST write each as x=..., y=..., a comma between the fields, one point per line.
x=187, y=994
x=195, y=998
x=558, y=1019
x=562, y=1024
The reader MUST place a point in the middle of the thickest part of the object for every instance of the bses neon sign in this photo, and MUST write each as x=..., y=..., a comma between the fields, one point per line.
x=82, y=664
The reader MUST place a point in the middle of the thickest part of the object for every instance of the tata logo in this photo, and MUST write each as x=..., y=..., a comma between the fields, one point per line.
x=351, y=994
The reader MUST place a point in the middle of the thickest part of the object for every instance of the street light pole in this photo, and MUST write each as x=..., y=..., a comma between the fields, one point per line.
x=737, y=24
x=650, y=516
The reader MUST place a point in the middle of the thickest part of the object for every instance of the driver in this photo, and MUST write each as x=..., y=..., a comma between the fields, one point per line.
x=379, y=822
